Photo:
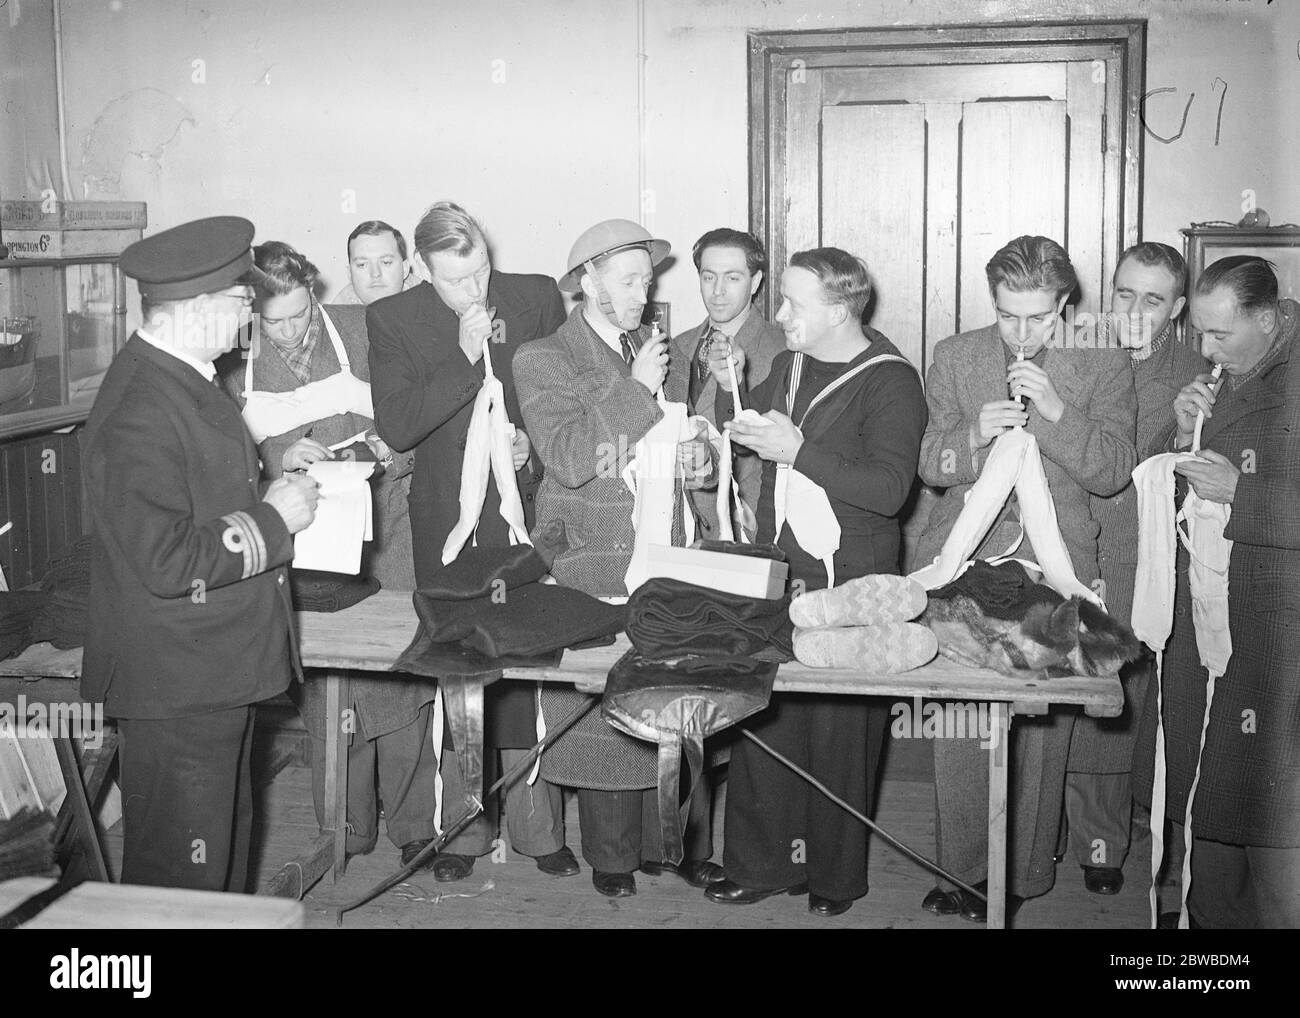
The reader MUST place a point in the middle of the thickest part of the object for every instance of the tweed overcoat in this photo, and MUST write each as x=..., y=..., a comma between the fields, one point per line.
x=586, y=414
x=1249, y=793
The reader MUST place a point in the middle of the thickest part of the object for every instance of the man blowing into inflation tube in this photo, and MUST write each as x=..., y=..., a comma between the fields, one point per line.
x=588, y=397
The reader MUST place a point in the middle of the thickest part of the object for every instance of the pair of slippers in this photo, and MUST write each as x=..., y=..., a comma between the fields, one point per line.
x=864, y=624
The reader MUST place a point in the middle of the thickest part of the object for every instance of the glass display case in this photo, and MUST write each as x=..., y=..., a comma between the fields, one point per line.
x=61, y=322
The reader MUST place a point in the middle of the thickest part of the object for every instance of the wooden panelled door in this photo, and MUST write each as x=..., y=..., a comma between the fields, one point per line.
x=923, y=152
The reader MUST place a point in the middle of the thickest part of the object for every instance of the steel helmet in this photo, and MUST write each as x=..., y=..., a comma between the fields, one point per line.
x=606, y=238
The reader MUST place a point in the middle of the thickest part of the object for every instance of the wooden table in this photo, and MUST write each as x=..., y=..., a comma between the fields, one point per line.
x=103, y=906
x=370, y=636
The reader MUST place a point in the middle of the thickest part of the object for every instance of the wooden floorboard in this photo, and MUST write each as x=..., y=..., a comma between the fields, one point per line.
x=514, y=894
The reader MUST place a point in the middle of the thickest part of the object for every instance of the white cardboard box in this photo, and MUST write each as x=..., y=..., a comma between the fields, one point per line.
x=744, y=575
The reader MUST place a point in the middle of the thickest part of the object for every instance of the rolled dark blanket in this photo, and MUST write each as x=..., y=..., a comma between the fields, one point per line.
x=669, y=618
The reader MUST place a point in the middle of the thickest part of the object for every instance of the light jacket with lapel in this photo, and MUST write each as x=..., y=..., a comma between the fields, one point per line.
x=1090, y=450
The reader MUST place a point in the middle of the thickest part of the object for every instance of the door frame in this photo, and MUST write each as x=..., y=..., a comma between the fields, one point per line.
x=1121, y=44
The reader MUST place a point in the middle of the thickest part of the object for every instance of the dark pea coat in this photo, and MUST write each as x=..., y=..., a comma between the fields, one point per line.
x=189, y=607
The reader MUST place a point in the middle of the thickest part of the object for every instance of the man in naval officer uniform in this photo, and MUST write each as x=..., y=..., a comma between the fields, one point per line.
x=190, y=619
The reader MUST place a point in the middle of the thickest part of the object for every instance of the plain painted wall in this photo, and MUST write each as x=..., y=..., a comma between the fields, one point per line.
x=309, y=117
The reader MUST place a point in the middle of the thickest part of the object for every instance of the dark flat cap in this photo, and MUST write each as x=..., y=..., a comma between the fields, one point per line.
x=204, y=256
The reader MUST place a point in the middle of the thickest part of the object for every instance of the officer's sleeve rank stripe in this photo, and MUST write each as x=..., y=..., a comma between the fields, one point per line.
x=242, y=535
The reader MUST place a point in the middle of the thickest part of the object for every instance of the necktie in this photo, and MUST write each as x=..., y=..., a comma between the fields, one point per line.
x=626, y=343
x=702, y=356
x=701, y=373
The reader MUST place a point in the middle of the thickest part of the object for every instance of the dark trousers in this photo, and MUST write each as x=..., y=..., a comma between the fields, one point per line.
x=1243, y=887
x=407, y=766
x=534, y=814
x=1035, y=795
x=187, y=800
x=620, y=830
x=780, y=831
x=1099, y=811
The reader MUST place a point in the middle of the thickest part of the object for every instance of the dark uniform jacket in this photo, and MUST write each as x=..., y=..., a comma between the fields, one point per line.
x=189, y=607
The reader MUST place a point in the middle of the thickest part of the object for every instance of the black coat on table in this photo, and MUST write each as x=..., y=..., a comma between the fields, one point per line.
x=1249, y=792
x=424, y=390
x=189, y=609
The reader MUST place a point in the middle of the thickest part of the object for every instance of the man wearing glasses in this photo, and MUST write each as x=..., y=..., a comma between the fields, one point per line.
x=190, y=622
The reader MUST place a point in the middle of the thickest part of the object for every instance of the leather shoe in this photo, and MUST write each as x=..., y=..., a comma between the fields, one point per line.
x=827, y=907
x=413, y=848
x=614, y=885
x=560, y=863
x=449, y=867
x=696, y=872
x=977, y=911
x=942, y=902
x=728, y=892
x=1103, y=879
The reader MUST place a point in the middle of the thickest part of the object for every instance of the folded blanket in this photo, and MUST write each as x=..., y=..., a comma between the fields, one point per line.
x=669, y=618
x=64, y=620
x=19, y=610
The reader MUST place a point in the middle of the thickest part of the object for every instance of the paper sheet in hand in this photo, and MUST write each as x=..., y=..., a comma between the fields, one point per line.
x=344, y=518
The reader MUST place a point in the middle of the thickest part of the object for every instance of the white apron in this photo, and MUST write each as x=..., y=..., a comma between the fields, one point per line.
x=269, y=414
